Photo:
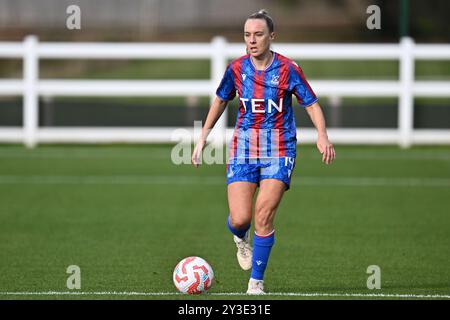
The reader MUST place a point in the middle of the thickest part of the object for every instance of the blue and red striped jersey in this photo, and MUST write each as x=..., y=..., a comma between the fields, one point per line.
x=265, y=125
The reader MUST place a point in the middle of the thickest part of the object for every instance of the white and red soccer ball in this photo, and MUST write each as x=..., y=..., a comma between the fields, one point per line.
x=193, y=275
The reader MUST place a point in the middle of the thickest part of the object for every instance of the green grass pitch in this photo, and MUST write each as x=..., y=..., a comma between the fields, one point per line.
x=126, y=215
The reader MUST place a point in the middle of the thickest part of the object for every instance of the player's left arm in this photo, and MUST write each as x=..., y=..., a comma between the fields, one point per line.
x=324, y=145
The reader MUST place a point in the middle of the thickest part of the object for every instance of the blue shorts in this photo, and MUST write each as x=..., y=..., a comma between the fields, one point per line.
x=255, y=170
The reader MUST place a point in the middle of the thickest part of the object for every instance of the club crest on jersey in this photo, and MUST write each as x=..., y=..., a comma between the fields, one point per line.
x=244, y=76
x=275, y=80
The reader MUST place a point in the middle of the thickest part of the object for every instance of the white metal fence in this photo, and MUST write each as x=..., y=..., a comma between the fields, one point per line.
x=406, y=88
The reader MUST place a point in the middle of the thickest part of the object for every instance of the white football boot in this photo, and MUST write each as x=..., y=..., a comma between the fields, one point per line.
x=255, y=286
x=244, y=251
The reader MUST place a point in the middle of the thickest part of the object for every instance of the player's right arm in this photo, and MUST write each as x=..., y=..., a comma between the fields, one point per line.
x=215, y=111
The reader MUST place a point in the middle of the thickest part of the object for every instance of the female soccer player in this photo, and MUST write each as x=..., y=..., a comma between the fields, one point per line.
x=263, y=147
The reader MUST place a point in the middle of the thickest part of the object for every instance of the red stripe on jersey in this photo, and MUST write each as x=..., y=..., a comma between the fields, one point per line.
x=253, y=143
x=279, y=118
x=236, y=67
x=302, y=76
x=258, y=93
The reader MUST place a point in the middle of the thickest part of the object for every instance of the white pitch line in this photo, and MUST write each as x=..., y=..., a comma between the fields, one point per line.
x=269, y=294
x=220, y=180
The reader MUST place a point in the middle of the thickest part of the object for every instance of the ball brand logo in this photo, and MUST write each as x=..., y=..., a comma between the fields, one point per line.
x=259, y=105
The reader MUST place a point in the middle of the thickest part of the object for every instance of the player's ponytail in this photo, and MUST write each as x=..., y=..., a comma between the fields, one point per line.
x=263, y=14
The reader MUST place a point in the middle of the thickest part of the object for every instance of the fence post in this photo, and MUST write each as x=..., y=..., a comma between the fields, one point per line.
x=218, y=66
x=406, y=99
x=30, y=93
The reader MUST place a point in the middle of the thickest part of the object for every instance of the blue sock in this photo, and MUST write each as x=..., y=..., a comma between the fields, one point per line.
x=261, y=251
x=237, y=232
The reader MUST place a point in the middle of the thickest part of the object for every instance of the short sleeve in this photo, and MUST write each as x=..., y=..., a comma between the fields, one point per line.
x=227, y=89
x=301, y=88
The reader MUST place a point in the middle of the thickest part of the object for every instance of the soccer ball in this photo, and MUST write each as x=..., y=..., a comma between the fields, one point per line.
x=193, y=275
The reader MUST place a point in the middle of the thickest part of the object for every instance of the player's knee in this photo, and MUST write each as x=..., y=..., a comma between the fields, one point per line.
x=239, y=221
x=264, y=219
